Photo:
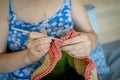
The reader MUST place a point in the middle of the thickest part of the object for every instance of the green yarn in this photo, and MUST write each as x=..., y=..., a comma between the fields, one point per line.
x=60, y=68
x=70, y=61
x=64, y=69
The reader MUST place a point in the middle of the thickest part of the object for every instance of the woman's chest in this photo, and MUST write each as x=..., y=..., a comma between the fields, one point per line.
x=34, y=11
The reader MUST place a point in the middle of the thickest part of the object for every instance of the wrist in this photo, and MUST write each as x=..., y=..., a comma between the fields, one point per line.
x=94, y=39
x=30, y=58
x=26, y=58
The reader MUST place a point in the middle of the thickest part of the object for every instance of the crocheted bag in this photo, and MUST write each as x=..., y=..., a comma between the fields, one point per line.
x=83, y=66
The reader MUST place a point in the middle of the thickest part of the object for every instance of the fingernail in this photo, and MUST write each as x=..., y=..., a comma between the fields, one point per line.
x=61, y=48
x=44, y=32
x=60, y=44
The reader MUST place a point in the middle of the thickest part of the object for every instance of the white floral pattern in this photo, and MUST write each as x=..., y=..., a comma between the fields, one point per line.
x=56, y=26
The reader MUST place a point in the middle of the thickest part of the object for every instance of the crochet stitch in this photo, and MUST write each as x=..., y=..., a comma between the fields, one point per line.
x=83, y=66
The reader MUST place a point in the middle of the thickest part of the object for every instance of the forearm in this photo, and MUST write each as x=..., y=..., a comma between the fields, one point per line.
x=93, y=38
x=13, y=61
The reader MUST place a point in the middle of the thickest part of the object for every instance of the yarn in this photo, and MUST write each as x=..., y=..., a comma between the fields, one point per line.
x=83, y=66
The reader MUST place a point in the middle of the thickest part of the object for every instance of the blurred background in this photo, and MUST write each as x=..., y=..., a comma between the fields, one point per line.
x=107, y=13
x=108, y=18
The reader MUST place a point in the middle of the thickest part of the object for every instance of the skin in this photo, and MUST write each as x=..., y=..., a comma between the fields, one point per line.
x=78, y=46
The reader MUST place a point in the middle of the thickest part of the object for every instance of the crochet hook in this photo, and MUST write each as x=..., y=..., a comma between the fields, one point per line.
x=25, y=31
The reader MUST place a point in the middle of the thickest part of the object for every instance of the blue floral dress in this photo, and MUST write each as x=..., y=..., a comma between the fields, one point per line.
x=57, y=26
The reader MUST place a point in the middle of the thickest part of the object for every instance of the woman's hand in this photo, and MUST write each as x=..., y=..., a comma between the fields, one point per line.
x=79, y=46
x=38, y=45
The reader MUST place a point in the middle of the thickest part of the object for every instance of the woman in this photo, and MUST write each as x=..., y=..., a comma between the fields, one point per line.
x=26, y=27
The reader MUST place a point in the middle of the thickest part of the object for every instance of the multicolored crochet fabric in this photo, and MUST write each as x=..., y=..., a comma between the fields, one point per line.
x=83, y=66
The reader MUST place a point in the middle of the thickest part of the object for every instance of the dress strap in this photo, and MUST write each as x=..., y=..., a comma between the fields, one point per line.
x=67, y=2
x=11, y=9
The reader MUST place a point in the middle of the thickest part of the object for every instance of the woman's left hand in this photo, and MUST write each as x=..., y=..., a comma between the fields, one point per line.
x=79, y=46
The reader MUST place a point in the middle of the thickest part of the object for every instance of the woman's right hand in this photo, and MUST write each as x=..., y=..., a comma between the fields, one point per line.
x=37, y=46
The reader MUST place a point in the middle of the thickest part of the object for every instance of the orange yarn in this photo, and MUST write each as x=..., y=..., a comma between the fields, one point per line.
x=55, y=55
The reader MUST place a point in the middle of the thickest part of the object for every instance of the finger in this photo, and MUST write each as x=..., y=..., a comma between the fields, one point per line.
x=42, y=52
x=34, y=35
x=66, y=48
x=88, y=50
x=79, y=53
x=36, y=51
x=74, y=40
x=37, y=54
x=42, y=47
x=44, y=40
x=74, y=47
x=39, y=41
x=82, y=52
x=44, y=32
x=28, y=44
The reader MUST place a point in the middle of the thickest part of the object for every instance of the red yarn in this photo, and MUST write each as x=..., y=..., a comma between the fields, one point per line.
x=55, y=55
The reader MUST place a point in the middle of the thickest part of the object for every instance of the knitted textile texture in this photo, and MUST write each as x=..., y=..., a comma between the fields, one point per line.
x=83, y=66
